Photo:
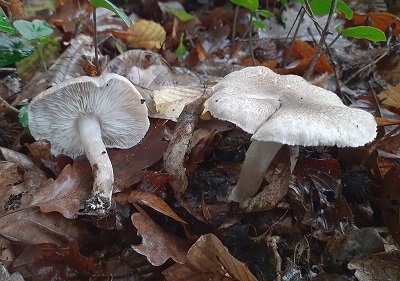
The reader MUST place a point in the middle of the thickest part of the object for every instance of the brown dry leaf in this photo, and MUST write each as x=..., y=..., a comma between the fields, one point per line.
x=68, y=192
x=209, y=259
x=391, y=202
x=149, y=72
x=391, y=98
x=380, y=20
x=354, y=242
x=157, y=245
x=30, y=226
x=386, y=122
x=10, y=173
x=305, y=51
x=174, y=158
x=70, y=13
x=155, y=202
x=376, y=267
x=5, y=276
x=44, y=262
x=7, y=251
x=146, y=34
x=273, y=193
x=129, y=163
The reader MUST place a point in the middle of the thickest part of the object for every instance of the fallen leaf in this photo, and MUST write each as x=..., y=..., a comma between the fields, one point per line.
x=68, y=192
x=386, y=122
x=69, y=13
x=128, y=164
x=380, y=20
x=381, y=266
x=209, y=259
x=303, y=50
x=6, y=276
x=391, y=98
x=149, y=72
x=146, y=34
x=391, y=202
x=7, y=252
x=157, y=245
x=170, y=101
x=30, y=226
x=353, y=242
x=10, y=173
x=155, y=202
x=44, y=262
x=174, y=158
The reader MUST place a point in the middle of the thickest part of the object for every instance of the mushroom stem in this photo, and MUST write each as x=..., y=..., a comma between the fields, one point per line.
x=258, y=157
x=90, y=133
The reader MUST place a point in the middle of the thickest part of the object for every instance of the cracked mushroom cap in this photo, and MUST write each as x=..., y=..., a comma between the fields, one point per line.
x=288, y=110
x=54, y=114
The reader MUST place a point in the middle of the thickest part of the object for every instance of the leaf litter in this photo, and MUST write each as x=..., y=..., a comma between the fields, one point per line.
x=335, y=217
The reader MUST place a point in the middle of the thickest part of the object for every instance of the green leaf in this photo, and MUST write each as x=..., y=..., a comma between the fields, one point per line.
x=181, y=51
x=322, y=7
x=33, y=30
x=23, y=117
x=180, y=14
x=12, y=50
x=364, y=32
x=258, y=23
x=345, y=9
x=6, y=26
x=110, y=6
x=252, y=5
x=284, y=3
x=265, y=13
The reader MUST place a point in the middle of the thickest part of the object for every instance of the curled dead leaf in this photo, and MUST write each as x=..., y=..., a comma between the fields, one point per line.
x=146, y=34
x=157, y=245
x=155, y=202
x=209, y=259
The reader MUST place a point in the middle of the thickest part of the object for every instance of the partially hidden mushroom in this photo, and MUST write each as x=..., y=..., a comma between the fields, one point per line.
x=283, y=109
x=86, y=115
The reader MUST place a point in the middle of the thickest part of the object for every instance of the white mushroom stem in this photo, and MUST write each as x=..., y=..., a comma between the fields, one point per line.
x=258, y=158
x=90, y=133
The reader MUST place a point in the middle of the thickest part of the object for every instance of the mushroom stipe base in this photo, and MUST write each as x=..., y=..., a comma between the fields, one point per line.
x=98, y=204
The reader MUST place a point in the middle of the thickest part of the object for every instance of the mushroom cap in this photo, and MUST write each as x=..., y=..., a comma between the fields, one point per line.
x=54, y=114
x=288, y=110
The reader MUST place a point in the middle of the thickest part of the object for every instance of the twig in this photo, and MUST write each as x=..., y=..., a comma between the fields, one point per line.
x=366, y=66
x=6, y=105
x=96, y=54
x=325, y=33
x=251, y=39
x=299, y=17
x=235, y=18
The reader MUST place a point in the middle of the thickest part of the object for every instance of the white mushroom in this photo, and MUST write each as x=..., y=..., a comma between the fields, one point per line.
x=86, y=115
x=283, y=109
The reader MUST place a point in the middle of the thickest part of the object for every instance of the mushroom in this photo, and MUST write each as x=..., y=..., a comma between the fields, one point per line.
x=86, y=115
x=283, y=109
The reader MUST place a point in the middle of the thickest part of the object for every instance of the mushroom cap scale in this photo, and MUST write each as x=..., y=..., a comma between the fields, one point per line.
x=111, y=98
x=288, y=110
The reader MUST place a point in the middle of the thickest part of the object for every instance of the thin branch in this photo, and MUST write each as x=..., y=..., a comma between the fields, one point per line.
x=7, y=106
x=299, y=17
x=96, y=54
x=325, y=33
x=235, y=18
x=366, y=66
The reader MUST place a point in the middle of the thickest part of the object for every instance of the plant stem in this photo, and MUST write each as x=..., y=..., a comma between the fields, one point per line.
x=251, y=38
x=96, y=54
x=325, y=32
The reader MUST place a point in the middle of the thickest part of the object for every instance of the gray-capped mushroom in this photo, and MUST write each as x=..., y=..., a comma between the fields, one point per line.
x=283, y=109
x=86, y=115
